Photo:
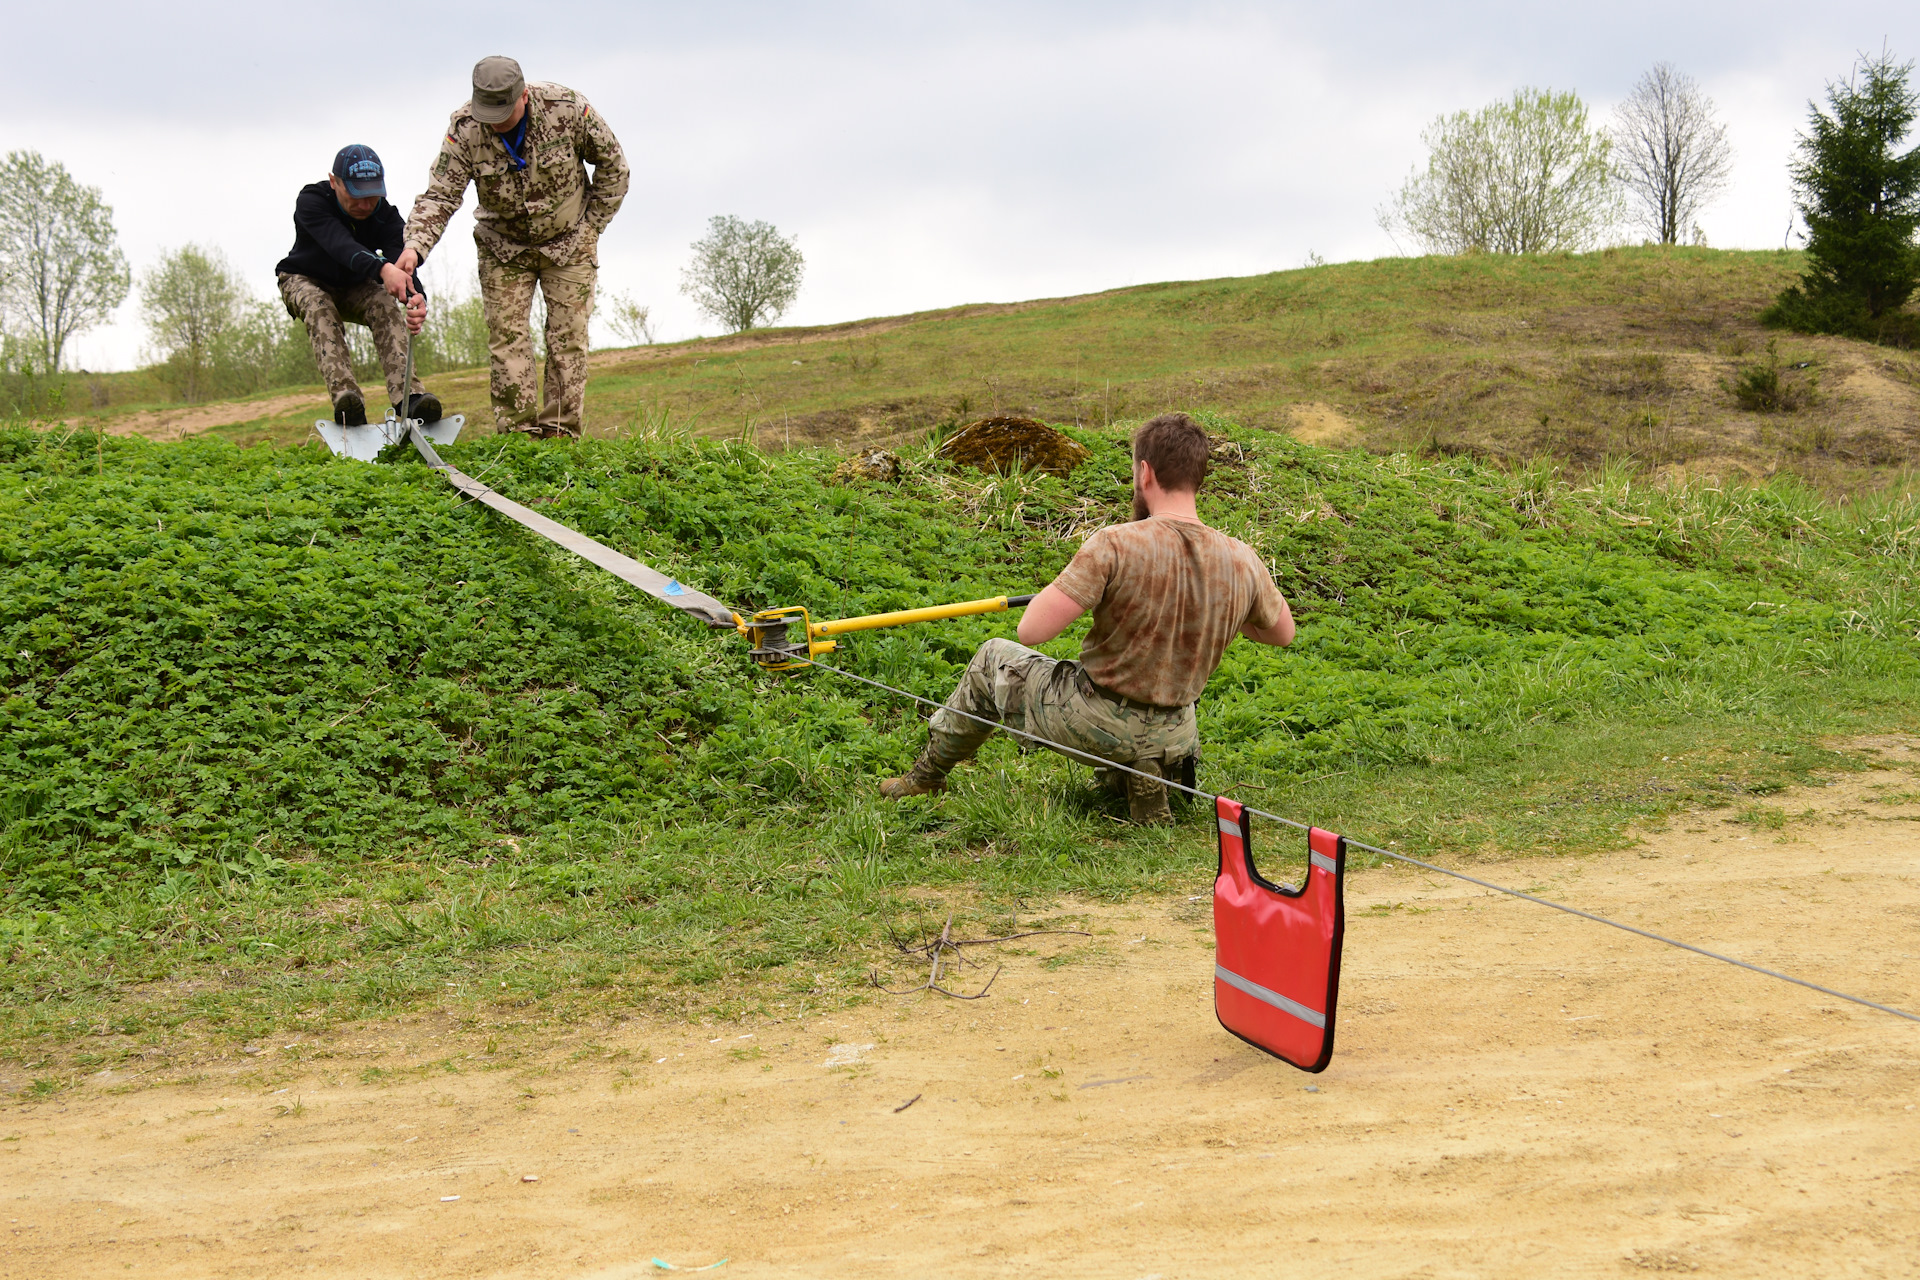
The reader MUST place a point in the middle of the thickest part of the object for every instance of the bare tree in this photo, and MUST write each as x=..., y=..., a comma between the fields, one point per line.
x=743, y=273
x=189, y=302
x=60, y=271
x=1672, y=153
x=1523, y=176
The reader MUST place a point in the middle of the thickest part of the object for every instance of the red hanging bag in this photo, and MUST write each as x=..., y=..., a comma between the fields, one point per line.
x=1276, y=972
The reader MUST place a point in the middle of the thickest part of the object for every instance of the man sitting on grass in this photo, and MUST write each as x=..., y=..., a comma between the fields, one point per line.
x=1167, y=593
x=343, y=267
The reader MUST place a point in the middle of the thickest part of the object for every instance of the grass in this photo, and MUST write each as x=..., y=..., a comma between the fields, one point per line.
x=1399, y=346
x=1624, y=353
x=287, y=740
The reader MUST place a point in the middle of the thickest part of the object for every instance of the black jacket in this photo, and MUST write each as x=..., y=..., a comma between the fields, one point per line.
x=333, y=248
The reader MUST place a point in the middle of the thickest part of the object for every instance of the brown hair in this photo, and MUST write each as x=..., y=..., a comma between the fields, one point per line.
x=1176, y=448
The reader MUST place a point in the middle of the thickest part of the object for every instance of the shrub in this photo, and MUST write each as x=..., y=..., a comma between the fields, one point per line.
x=743, y=273
x=1523, y=176
x=1771, y=386
x=189, y=301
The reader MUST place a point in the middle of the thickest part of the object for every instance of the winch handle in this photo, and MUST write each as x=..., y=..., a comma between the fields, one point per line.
x=931, y=613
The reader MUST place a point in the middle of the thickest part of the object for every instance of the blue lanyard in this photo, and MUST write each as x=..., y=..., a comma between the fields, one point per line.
x=514, y=141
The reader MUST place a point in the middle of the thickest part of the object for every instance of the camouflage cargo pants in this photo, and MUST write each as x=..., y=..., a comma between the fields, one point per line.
x=1012, y=685
x=326, y=311
x=506, y=292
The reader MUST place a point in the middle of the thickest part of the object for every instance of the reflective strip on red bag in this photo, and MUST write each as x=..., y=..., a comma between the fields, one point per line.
x=1276, y=972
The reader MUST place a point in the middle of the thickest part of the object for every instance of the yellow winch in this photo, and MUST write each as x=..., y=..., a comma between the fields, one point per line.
x=775, y=648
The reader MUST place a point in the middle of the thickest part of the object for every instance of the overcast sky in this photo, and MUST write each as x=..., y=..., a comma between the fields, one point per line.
x=925, y=155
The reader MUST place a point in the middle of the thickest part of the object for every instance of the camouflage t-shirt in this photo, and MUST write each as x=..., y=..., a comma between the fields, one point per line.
x=1167, y=596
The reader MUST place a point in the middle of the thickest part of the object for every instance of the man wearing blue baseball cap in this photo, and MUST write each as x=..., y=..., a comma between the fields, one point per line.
x=347, y=241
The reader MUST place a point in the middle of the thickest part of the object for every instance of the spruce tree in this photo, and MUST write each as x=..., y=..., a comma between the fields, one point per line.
x=1860, y=199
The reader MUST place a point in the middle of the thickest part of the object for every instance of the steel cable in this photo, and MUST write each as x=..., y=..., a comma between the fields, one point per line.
x=1077, y=754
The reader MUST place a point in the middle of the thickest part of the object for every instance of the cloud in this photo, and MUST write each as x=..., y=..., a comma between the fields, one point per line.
x=925, y=156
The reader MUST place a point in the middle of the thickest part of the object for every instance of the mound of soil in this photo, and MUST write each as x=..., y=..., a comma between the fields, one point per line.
x=1003, y=444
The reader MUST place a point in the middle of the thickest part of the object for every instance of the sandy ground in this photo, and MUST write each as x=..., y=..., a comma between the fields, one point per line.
x=1515, y=1093
x=1322, y=424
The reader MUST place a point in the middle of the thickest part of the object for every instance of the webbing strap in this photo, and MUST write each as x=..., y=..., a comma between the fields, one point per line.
x=650, y=580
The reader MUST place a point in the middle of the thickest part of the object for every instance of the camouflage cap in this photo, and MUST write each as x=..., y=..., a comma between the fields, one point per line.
x=497, y=86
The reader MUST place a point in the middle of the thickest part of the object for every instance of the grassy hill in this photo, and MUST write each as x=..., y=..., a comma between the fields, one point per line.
x=1624, y=353
x=286, y=738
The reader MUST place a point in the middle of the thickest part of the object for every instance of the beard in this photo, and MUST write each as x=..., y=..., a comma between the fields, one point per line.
x=1140, y=511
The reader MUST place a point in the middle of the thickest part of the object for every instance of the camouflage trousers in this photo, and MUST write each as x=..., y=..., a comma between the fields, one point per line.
x=506, y=293
x=326, y=311
x=1011, y=685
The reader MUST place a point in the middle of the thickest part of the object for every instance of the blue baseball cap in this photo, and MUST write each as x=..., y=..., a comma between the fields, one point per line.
x=360, y=171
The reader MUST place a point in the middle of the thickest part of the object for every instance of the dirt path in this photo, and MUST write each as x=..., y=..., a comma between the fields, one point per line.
x=177, y=424
x=1516, y=1093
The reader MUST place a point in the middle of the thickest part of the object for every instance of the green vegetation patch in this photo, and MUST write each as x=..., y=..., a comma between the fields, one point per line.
x=326, y=731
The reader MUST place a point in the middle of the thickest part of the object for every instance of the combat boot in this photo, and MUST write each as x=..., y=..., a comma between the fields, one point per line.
x=350, y=410
x=1147, y=797
x=924, y=778
x=421, y=405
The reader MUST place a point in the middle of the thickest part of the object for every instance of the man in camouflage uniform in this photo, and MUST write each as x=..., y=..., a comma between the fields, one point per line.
x=526, y=148
x=1167, y=594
